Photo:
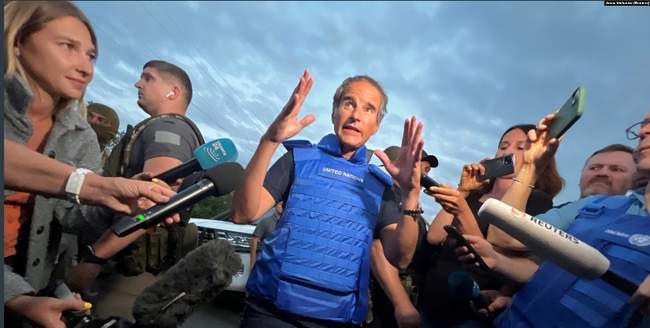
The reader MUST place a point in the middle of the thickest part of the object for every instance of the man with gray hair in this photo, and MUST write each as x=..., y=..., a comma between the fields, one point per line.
x=314, y=269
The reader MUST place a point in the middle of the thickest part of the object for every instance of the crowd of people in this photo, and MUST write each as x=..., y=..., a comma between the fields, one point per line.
x=348, y=244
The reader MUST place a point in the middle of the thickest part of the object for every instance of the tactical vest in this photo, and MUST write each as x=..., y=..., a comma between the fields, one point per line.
x=158, y=250
x=316, y=261
x=554, y=294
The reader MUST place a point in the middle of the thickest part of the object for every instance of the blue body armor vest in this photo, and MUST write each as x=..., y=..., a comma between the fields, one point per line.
x=316, y=263
x=555, y=298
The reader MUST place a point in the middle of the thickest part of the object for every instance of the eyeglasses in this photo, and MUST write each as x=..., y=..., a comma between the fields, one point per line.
x=634, y=132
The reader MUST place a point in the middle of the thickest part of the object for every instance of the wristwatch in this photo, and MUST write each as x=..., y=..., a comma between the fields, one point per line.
x=87, y=255
x=75, y=181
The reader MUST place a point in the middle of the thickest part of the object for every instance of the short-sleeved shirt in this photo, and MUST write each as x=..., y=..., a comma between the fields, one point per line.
x=168, y=137
x=279, y=179
x=564, y=215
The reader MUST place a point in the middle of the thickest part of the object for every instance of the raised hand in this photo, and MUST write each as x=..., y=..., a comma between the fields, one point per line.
x=407, y=169
x=469, y=178
x=286, y=124
x=542, y=147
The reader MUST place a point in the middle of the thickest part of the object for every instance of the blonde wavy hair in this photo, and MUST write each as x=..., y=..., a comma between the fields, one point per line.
x=23, y=18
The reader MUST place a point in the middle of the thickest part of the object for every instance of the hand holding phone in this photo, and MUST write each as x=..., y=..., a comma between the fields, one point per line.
x=570, y=112
x=454, y=233
x=427, y=182
x=498, y=167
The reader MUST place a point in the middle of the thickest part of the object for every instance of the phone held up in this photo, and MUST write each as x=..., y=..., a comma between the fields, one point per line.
x=498, y=167
x=570, y=112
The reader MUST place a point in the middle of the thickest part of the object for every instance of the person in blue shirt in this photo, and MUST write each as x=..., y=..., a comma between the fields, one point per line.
x=608, y=171
x=314, y=268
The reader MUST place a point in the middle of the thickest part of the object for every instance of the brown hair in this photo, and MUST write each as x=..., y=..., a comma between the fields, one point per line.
x=176, y=72
x=550, y=181
x=611, y=148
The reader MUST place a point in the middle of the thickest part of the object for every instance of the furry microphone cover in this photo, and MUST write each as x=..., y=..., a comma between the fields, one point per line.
x=201, y=276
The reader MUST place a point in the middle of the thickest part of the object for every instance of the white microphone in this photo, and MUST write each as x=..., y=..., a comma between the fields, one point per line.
x=552, y=243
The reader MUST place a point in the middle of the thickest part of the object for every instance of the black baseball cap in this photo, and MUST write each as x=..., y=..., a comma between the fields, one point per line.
x=393, y=154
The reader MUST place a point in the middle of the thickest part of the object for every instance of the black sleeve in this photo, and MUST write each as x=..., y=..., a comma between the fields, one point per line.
x=539, y=202
x=279, y=178
x=169, y=137
x=389, y=211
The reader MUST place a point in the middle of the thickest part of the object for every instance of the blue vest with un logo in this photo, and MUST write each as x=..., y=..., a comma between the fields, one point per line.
x=555, y=298
x=316, y=263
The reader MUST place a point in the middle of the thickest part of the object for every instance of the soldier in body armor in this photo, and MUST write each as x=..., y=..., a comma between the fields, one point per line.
x=314, y=268
x=157, y=144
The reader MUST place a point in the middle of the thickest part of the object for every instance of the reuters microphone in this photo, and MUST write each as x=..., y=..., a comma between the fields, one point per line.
x=218, y=181
x=206, y=157
x=552, y=243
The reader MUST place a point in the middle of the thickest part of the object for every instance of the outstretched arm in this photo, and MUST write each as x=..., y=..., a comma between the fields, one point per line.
x=251, y=200
x=27, y=170
x=399, y=240
x=536, y=159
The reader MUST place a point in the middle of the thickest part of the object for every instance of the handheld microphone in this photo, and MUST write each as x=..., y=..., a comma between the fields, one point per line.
x=206, y=157
x=218, y=181
x=465, y=289
x=196, y=279
x=553, y=244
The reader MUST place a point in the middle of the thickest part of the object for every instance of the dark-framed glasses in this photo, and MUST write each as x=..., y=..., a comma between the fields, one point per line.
x=634, y=131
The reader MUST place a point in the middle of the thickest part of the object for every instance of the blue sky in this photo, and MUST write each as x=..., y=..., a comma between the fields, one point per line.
x=469, y=70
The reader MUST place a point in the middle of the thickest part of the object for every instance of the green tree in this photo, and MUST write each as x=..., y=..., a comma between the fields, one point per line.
x=212, y=206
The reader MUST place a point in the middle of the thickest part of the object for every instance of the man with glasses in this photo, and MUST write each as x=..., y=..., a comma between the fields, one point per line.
x=617, y=226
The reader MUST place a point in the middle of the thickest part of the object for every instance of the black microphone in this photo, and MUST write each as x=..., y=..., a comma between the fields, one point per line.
x=206, y=156
x=218, y=181
x=464, y=288
x=196, y=279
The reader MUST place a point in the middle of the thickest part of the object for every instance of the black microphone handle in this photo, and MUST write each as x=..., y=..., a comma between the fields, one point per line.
x=156, y=214
x=170, y=176
x=619, y=282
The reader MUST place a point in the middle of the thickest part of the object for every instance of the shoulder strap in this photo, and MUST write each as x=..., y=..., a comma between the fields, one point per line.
x=291, y=144
x=598, y=204
x=121, y=155
x=381, y=175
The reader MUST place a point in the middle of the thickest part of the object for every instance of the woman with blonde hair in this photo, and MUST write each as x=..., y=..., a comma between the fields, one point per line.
x=50, y=50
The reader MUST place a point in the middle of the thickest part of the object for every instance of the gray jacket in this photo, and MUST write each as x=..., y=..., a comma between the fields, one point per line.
x=71, y=141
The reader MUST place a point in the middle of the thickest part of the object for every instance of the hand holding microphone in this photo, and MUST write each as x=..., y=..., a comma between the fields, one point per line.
x=218, y=181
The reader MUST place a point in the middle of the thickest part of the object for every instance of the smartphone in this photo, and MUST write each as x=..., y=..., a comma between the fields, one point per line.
x=498, y=167
x=568, y=114
x=427, y=182
x=454, y=233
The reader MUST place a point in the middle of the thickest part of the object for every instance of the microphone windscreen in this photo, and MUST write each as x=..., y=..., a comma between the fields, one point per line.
x=216, y=152
x=201, y=275
x=226, y=177
x=546, y=240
